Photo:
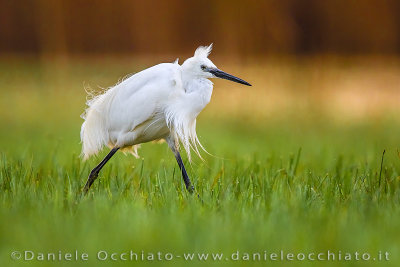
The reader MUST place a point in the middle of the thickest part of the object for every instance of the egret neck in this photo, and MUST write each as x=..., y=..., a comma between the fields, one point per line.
x=198, y=93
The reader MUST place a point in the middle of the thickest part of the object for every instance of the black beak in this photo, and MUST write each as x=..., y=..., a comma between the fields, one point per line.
x=223, y=75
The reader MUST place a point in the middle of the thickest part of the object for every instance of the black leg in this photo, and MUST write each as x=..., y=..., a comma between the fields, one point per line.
x=186, y=179
x=95, y=172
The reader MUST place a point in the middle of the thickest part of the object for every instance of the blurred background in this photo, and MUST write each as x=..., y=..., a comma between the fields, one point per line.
x=239, y=29
x=305, y=58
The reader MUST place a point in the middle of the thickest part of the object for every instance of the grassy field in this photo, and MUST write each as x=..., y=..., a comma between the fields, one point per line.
x=292, y=170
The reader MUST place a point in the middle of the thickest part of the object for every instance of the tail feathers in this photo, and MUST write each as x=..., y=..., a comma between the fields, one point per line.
x=94, y=133
x=92, y=136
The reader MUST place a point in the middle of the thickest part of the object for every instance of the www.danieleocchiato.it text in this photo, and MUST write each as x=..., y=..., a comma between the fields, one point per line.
x=104, y=255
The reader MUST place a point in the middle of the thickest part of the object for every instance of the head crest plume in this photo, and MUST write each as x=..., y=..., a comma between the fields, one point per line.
x=203, y=51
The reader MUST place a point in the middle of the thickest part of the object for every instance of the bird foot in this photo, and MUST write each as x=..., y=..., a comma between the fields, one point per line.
x=92, y=177
x=190, y=189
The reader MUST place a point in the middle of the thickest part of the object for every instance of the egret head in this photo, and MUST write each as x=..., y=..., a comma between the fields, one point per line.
x=200, y=66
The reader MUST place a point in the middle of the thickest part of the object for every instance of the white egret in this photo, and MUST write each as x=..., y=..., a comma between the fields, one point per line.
x=161, y=102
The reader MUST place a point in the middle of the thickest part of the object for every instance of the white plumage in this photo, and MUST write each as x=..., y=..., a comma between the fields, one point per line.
x=161, y=102
x=148, y=106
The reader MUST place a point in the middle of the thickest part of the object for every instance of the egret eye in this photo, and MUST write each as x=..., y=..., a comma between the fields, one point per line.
x=203, y=67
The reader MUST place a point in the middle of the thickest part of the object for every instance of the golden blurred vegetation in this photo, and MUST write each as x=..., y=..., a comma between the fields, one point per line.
x=337, y=88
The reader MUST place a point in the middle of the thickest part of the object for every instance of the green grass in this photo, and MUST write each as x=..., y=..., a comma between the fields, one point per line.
x=287, y=183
